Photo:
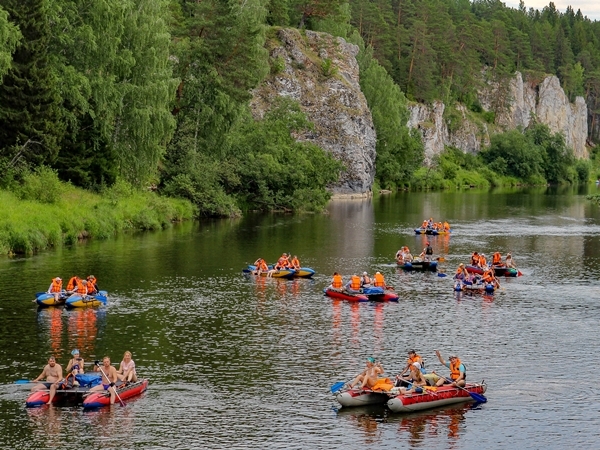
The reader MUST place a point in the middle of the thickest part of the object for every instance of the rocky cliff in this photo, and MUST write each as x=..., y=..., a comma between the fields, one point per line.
x=320, y=72
x=515, y=104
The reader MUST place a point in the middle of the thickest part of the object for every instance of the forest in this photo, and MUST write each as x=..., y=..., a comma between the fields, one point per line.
x=153, y=96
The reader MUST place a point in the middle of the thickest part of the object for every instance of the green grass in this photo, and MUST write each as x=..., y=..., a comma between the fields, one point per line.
x=27, y=226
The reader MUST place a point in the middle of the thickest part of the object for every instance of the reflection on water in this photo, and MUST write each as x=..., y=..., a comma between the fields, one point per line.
x=246, y=362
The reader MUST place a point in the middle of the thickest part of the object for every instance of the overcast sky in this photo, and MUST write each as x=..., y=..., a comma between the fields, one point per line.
x=590, y=8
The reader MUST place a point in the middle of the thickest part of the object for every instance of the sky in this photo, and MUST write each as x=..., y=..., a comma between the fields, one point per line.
x=590, y=8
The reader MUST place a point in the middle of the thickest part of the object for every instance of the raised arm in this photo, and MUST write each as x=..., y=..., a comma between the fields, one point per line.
x=439, y=355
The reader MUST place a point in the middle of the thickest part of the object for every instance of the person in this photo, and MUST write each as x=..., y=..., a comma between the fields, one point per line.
x=336, y=282
x=368, y=377
x=475, y=259
x=497, y=259
x=72, y=284
x=295, y=263
x=424, y=224
x=68, y=382
x=489, y=278
x=482, y=261
x=261, y=266
x=458, y=372
x=428, y=252
x=92, y=285
x=282, y=262
x=379, y=280
x=52, y=372
x=461, y=273
x=354, y=284
x=80, y=287
x=400, y=256
x=430, y=223
x=509, y=262
x=365, y=281
x=417, y=380
x=413, y=357
x=109, y=378
x=126, y=370
x=407, y=255
x=55, y=288
x=446, y=226
x=76, y=363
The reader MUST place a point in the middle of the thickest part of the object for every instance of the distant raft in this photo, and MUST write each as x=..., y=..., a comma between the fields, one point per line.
x=281, y=273
x=81, y=301
x=431, y=231
x=499, y=271
x=431, y=266
x=345, y=295
x=480, y=287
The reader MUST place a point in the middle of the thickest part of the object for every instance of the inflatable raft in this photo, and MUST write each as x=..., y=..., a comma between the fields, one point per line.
x=282, y=273
x=441, y=396
x=465, y=286
x=420, y=265
x=345, y=295
x=361, y=397
x=80, y=301
x=70, y=396
x=498, y=271
x=45, y=299
x=379, y=294
x=431, y=231
x=125, y=391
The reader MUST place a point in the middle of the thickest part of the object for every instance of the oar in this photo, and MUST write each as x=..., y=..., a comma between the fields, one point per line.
x=113, y=385
x=477, y=397
x=337, y=387
x=23, y=381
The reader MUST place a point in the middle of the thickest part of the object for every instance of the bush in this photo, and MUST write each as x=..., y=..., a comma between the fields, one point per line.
x=42, y=185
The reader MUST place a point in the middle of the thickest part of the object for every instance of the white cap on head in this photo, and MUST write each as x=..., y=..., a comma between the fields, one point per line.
x=417, y=365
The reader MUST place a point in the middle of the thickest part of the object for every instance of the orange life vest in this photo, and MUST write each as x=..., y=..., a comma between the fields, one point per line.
x=497, y=258
x=56, y=285
x=263, y=265
x=487, y=276
x=337, y=282
x=482, y=261
x=446, y=226
x=295, y=263
x=454, y=369
x=71, y=284
x=424, y=225
x=414, y=359
x=81, y=288
x=355, y=282
x=379, y=281
x=282, y=263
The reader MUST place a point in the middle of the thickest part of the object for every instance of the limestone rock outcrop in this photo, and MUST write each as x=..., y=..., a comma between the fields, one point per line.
x=321, y=72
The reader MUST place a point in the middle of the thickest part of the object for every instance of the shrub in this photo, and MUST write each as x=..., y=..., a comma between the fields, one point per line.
x=42, y=185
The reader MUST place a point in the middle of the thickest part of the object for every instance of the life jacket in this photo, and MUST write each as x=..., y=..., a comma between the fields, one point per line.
x=295, y=263
x=337, y=282
x=282, y=262
x=263, y=265
x=497, y=258
x=56, y=285
x=454, y=369
x=424, y=225
x=416, y=358
x=355, y=282
x=446, y=226
x=71, y=284
x=379, y=281
x=68, y=381
x=81, y=288
x=487, y=276
x=482, y=261
x=91, y=287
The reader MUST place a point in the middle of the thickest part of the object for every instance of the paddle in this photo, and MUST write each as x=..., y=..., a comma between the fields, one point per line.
x=24, y=381
x=113, y=385
x=477, y=397
x=337, y=387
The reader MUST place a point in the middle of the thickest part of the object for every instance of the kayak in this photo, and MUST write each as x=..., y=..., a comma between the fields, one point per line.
x=345, y=295
x=282, y=273
x=45, y=299
x=102, y=398
x=420, y=265
x=498, y=271
x=431, y=231
x=304, y=272
x=80, y=301
x=379, y=294
x=470, y=287
x=70, y=396
x=429, y=398
x=361, y=397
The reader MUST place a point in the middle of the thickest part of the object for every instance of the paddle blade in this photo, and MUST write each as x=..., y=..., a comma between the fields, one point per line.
x=442, y=274
x=441, y=259
x=478, y=397
x=23, y=381
x=337, y=386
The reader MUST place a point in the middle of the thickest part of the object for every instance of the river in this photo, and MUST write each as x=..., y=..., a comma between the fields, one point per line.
x=240, y=363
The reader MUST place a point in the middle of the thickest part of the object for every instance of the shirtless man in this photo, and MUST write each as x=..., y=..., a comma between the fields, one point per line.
x=52, y=373
x=368, y=377
x=109, y=378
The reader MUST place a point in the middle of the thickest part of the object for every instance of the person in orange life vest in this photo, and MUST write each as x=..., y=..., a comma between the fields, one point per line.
x=413, y=357
x=92, y=286
x=365, y=281
x=260, y=266
x=295, y=263
x=482, y=262
x=282, y=262
x=81, y=288
x=490, y=278
x=379, y=280
x=354, y=284
x=497, y=259
x=461, y=273
x=458, y=372
x=72, y=284
x=424, y=224
x=55, y=288
x=336, y=282
x=446, y=226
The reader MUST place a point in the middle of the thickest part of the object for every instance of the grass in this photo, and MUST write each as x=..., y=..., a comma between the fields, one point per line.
x=27, y=226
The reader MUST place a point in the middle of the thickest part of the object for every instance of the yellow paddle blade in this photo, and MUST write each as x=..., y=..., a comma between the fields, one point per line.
x=441, y=259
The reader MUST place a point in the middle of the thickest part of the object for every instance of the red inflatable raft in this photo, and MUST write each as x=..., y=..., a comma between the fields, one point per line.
x=344, y=295
x=102, y=398
x=442, y=396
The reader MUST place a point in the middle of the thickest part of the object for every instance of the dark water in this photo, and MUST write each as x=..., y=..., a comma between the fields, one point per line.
x=242, y=363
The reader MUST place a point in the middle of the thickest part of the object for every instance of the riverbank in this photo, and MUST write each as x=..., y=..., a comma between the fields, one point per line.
x=27, y=226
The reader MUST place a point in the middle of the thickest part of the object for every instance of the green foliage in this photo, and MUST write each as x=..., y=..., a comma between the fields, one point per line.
x=9, y=38
x=328, y=69
x=453, y=118
x=42, y=185
x=522, y=158
x=277, y=65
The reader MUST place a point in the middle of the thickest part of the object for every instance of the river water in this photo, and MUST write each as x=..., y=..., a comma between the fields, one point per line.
x=241, y=363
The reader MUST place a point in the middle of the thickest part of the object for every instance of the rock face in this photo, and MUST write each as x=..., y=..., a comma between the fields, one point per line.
x=515, y=105
x=321, y=73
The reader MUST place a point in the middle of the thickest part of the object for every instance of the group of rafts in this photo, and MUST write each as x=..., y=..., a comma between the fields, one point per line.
x=78, y=293
x=417, y=391
x=286, y=267
x=481, y=276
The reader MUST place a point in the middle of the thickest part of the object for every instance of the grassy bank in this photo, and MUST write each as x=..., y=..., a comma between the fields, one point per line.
x=28, y=225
